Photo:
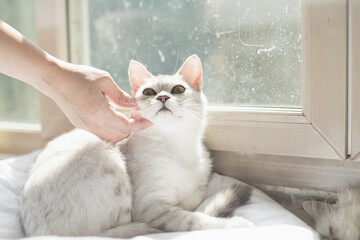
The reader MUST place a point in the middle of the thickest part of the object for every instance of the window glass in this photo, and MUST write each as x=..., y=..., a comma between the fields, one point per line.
x=18, y=101
x=250, y=49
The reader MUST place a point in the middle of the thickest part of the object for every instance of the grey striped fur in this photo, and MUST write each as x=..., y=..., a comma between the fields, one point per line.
x=226, y=201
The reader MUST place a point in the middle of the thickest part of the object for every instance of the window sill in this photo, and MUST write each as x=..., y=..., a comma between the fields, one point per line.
x=20, y=127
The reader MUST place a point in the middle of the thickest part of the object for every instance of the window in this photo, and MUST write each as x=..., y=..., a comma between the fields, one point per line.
x=251, y=50
x=19, y=101
x=284, y=125
x=252, y=56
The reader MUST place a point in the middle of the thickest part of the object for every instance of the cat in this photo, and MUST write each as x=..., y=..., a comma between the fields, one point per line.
x=151, y=182
x=340, y=220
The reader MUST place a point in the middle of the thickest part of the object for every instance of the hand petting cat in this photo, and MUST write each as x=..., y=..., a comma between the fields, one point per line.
x=84, y=95
x=82, y=92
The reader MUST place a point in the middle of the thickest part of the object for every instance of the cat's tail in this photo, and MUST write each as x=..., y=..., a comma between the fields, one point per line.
x=227, y=200
x=129, y=230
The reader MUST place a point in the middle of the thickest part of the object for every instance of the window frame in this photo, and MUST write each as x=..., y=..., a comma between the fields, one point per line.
x=320, y=129
x=51, y=24
x=355, y=81
x=268, y=131
x=238, y=135
x=20, y=138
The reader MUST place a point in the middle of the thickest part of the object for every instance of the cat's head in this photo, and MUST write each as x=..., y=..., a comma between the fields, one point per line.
x=169, y=99
x=335, y=221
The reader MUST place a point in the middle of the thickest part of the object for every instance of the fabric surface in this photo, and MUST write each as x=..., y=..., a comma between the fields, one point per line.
x=271, y=220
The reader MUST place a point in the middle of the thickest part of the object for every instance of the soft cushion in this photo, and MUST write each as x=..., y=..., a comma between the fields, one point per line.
x=271, y=220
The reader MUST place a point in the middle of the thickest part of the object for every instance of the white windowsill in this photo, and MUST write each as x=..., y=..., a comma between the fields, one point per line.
x=20, y=127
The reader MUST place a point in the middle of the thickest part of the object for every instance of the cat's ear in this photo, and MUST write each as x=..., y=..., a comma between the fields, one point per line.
x=137, y=75
x=191, y=71
x=317, y=209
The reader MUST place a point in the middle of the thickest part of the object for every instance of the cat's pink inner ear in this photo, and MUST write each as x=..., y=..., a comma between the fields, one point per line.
x=137, y=75
x=191, y=71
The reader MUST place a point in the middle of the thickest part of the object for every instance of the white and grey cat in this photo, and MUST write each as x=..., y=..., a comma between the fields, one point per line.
x=150, y=182
x=338, y=221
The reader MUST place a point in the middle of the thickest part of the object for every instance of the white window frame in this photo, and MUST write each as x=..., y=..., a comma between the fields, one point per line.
x=320, y=129
x=306, y=149
x=355, y=80
x=290, y=132
x=266, y=142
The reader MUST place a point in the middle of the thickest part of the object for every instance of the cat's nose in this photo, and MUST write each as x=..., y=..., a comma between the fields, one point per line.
x=163, y=98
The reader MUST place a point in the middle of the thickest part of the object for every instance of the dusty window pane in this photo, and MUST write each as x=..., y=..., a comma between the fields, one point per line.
x=18, y=101
x=250, y=49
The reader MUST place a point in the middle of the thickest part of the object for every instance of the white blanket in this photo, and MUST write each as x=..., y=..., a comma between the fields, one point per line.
x=271, y=220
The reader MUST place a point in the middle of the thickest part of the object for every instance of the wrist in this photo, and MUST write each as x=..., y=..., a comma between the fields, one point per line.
x=52, y=78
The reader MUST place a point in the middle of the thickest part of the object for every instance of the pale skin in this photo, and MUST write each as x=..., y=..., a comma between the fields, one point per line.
x=82, y=92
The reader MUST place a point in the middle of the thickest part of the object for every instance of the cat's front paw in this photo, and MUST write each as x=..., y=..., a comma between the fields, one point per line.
x=238, y=222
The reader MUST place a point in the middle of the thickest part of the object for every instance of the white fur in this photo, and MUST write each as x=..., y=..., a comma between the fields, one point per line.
x=70, y=188
x=170, y=153
x=340, y=221
x=80, y=185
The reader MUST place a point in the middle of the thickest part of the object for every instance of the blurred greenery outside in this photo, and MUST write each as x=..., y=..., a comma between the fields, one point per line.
x=19, y=102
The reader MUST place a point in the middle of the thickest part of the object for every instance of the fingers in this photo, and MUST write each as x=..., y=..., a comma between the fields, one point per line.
x=118, y=126
x=104, y=121
x=139, y=124
x=132, y=124
x=116, y=95
x=135, y=115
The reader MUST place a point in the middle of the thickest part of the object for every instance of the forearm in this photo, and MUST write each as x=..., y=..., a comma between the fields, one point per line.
x=21, y=59
x=82, y=92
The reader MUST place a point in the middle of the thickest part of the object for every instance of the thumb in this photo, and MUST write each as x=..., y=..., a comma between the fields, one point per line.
x=139, y=124
x=116, y=95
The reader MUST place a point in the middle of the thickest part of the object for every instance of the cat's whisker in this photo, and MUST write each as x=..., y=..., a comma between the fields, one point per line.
x=177, y=59
x=138, y=58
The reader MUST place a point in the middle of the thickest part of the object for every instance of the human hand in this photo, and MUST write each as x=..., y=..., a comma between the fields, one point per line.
x=82, y=92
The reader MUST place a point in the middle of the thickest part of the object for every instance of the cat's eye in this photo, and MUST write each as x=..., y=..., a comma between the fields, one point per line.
x=149, y=92
x=178, y=89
